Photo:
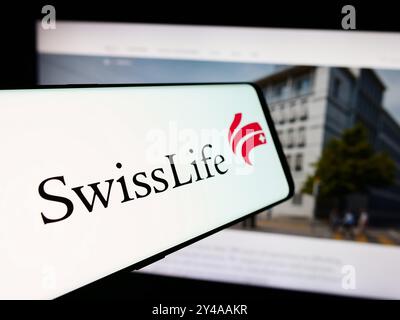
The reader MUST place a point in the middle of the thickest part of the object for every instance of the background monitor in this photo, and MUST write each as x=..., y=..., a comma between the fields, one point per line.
x=319, y=85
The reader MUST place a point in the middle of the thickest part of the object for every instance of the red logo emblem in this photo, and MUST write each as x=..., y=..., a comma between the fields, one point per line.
x=251, y=133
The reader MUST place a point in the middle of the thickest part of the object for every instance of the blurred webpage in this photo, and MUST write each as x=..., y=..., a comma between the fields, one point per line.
x=317, y=84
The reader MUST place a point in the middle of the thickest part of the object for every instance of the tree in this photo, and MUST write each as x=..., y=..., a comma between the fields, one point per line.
x=351, y=165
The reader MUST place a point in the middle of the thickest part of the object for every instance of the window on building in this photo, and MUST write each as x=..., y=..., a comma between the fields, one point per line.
x=302, y=85
x=336, y=87
x=292, y=111
x=281, y=137
x=303, y=112
x=272, y=110
x=282, y=115
x=301, y=137
x=298, y=165
x=276, y=92
x=290, y=138
x=266, y=93
x=297, y=199
x=289, y=160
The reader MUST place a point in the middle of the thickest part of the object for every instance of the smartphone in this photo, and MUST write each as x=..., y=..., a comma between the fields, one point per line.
x=99, y=179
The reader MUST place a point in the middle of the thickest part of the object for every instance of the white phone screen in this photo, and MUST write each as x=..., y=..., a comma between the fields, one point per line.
x=94, y=180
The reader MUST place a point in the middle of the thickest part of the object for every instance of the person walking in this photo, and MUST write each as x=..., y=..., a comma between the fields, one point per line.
x=362, y=221
x=334, y=219
x=348, y=223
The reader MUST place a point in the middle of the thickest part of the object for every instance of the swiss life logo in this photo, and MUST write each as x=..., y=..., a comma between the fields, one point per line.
x=127, y=185
x=251, y=133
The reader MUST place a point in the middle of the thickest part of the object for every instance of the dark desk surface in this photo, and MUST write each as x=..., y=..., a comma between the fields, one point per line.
x=154, y=288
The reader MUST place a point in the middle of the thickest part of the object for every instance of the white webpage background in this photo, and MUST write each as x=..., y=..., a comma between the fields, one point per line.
x=291, y=262
x=240, y=256
x=259, y=45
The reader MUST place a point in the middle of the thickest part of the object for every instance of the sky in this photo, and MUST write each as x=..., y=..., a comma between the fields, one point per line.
x=62, y=69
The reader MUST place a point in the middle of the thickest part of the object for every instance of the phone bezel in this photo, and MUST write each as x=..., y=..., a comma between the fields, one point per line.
x=161, y=255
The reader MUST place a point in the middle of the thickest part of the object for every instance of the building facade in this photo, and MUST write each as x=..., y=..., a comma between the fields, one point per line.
x=310, y=106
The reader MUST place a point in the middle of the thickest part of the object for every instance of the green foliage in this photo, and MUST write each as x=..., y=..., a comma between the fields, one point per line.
x=350, y=165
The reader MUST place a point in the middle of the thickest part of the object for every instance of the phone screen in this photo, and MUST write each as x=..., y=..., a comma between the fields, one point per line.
x=97, y=179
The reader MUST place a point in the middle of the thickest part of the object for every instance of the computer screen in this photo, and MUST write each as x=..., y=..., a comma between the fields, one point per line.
x=334, y=97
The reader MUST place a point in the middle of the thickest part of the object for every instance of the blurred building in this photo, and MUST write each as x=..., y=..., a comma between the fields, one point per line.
x=311, y=105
